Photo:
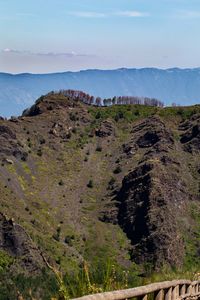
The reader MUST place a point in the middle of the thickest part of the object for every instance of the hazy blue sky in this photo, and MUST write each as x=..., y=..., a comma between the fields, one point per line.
x=59, y=35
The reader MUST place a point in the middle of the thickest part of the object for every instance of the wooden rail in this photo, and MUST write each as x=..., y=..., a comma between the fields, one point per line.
x=167, y=290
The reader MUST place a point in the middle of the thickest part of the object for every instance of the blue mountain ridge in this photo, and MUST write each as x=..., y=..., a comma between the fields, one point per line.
x=181, y=86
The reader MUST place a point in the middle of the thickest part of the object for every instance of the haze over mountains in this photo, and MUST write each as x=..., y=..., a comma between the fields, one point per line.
x=181, y=86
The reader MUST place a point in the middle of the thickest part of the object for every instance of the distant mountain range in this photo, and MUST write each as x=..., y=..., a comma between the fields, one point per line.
x=181, y=86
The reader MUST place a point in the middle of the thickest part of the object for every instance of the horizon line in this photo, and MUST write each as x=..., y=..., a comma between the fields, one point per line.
x=97, y=69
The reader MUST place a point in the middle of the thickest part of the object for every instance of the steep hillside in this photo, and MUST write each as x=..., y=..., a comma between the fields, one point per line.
x=172, y=85
x=81, y=183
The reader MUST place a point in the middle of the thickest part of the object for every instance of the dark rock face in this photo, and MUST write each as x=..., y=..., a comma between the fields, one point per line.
x=16, y=242
x=9, y=145
x=145, y=199
x=134, y=202
x=61, y=130
x=129, y=149
x=46, y=104
x=148, y=140
x=146, y=217
x=152, y=133
x=7, y=140
x=191, y=137
x=106, y=129
x=32, y=111
x=6, y=132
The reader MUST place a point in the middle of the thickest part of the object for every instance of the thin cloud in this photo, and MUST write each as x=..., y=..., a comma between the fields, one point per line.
x=44, y=54
x=8, y=50
x=132, y=14
x=126, y=13
x=87, y=14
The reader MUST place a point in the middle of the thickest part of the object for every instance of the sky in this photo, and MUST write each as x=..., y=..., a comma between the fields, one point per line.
x=43, y=36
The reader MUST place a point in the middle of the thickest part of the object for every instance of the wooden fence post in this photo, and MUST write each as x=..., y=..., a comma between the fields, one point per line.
x=145, y=297
x=174, y=293
x=158, y=295
x=168, y=294
x=182, y=290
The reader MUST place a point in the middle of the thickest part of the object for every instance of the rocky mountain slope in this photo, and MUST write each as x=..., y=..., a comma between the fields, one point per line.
x=172, y=85
x=82, y=183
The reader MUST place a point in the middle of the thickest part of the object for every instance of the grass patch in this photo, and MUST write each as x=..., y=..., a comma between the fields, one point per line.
x=5, y=260
x=43, y=286
x=119, y=113
x=192, y=241
x=183, y=112
x=26, y=168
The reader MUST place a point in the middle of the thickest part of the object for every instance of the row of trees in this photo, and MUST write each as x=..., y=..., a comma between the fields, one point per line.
x=91, y=100
x=133, y=100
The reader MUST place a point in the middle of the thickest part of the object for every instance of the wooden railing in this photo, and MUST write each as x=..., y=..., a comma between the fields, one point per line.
x=167, y=290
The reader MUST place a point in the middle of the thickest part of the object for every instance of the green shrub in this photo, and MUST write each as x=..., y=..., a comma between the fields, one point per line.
x=119, y=115
x=73, y=117
x=69, y=239
x=117, y=170
x=98, y=115
x=90, y=184
x=112, y=181
x=42, y=141
x=56, y=235
x=98, y=148
x=39, y=152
